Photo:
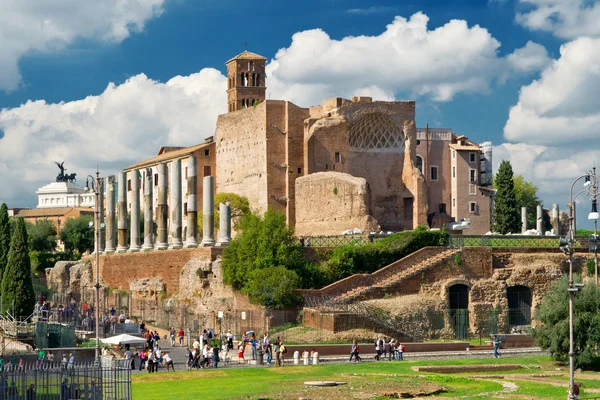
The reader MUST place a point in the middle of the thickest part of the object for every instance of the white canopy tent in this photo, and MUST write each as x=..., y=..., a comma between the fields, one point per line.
x=123, y=339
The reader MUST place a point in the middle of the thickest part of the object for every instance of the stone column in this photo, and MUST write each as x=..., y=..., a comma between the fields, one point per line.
x=540, y=220
x=161, y=205
x=523, y=219
x=148, y=220
x=122, y=213
x=101, y=209
x=176, y=242
x=134, y=229
x=110, y=215
x=224, y=224
x=208, y=211
x=555, y=218
x=192, y=204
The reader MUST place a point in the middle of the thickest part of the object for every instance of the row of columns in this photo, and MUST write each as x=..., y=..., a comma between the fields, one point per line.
x=115, y=240
x=554, y=219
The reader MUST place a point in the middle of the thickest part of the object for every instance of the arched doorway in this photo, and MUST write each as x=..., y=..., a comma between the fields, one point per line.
x=458, y=297
x=519, y=305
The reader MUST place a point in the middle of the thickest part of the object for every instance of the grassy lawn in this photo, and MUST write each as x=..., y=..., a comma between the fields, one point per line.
x=536, y=379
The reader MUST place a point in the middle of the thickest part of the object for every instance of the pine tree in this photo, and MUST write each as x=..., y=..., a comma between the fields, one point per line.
x=506, y=215
x=4, y=238
x=17, y=287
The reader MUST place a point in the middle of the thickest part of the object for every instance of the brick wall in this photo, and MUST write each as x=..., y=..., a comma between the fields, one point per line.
x=119, y=270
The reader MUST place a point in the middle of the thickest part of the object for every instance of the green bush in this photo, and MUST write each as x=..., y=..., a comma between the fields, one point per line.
x=348, y=260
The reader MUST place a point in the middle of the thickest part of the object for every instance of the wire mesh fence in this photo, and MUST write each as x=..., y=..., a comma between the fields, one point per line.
x=504, y=241
x=340, y=240
x=108, y=380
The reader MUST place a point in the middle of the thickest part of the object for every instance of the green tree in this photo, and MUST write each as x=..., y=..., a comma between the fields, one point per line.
x=552, y=330
x=272, y=287
x=17, y=287
x=261, y=242
x=4, y=237
x=239, y=207
x=526, y=196
x=506, y=216
x=41, y=235
x=77, y=235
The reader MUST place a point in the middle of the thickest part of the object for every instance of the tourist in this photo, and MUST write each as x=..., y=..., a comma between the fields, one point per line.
x=277, y=352
x=142, y=359
x=71, y=363
x=253, y=343
x=215, y=356
x=168, y=362
x=151, y=361
x=50, y=357
x=241, y=352
x=229, y=337
x=378, y=348
x=181, y=336
x=282, y=351
x=172, y=336
x=383, y=347
x=496, y=343
x=392, y=352
x=312, y=352
x=21, y=363
x=31, y=392
x=354, y=351
x=400, y=351
x=39, y=364
x=269, y=351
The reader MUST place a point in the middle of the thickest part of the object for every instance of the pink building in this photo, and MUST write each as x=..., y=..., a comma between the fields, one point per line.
x=458, y=173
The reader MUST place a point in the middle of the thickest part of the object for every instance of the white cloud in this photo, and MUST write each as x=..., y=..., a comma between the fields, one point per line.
x=50, y=25
x=531, y=58
x=371, y=10
x=563, y=105
x=125, y=124
x=567, y=19
x=407, y=57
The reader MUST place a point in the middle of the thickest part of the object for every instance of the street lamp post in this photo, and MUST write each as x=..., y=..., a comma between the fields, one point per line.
x=566, y=245
x=95, y=185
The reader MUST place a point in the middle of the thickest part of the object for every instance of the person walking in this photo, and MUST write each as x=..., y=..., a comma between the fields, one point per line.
x=181, y=335
x=354, y=351
x=172, y=336
x=277, y=351
x=496, y=343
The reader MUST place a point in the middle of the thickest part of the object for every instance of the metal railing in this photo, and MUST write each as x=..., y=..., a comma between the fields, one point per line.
x=340, y=240
x=513, y=241
x=109, y=380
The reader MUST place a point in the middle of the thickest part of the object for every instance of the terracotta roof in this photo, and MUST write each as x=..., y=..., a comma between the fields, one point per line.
x=50, y=212
x=246, y=55
x=470, y=146
x=171, y=155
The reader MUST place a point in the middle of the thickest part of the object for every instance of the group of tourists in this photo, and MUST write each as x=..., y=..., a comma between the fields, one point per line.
x=392, y=350
x=43, y=360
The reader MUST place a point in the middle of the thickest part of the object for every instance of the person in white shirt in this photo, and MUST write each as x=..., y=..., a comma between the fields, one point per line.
x=168, y=362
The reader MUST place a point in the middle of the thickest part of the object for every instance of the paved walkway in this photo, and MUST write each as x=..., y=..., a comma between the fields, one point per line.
x=178, y=354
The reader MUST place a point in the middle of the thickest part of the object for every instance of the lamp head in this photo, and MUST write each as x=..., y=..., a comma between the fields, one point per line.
x=594, y=215
x=588, y=181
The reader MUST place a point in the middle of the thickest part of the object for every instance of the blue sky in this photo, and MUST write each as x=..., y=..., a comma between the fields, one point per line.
x=71, y=53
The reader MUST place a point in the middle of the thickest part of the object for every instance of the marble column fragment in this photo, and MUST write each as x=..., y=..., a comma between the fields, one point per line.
x=555, y=218
x=134, y=229
x=161, y=205
x=208, y=211
x=192, y=204
x=101, y=208
x=122, y=213
x=540, y=220
x=148, y=220
x=523, y=219
x=224, y=224
x=176, y=242
x=110, y=215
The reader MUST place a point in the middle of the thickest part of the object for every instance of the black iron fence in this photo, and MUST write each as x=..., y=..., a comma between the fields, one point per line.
x=340, y=240
x=108, y=380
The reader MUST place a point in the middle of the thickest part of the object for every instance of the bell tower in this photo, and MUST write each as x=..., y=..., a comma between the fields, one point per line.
x=245, y=81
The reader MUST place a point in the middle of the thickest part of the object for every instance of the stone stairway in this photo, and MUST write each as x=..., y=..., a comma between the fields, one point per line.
x=382, y=281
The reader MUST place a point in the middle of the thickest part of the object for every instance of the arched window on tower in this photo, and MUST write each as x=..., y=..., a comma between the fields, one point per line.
x=420, y=163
